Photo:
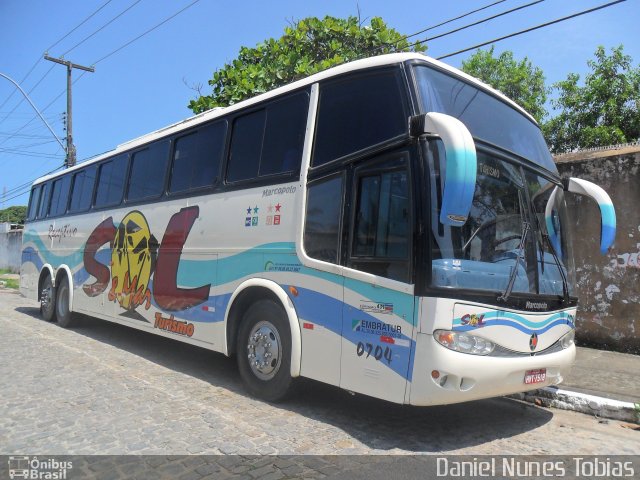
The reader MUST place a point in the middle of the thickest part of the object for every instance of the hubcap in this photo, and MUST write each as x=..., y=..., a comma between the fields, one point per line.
x=45, y=298
x=264, y=350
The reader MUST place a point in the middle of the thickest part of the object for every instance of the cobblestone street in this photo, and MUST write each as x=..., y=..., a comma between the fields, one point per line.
x=108, y=389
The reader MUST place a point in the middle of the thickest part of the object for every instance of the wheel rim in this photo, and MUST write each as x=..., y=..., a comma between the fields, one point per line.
x=264, y=350
x=45, y=298
x=62, y=303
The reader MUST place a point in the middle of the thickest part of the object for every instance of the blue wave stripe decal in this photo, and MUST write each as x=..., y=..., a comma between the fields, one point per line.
x=194, y=273
x=514, y=318
x=328, y=312
x=508, y=323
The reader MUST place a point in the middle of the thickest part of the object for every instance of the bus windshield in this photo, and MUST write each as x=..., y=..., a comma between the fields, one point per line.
x=487, y=118
x=505, y=239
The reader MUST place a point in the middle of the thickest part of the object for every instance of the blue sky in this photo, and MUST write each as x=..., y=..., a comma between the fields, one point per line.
x=142, y=87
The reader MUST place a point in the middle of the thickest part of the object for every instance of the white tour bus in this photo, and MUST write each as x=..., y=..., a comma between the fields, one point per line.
x=390, y=226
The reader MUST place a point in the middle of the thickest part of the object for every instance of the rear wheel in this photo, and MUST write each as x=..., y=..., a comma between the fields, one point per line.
x=48, y=300
x=264, y=351
x=64, y=315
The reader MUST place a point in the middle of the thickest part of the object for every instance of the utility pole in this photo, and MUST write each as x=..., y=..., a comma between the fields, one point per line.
x=70, y=161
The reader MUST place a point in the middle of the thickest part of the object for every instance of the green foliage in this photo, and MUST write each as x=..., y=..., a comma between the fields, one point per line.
x=603, y=111
x=16, y=214
x=10, y=283
x=519, y=80
x=307, y=47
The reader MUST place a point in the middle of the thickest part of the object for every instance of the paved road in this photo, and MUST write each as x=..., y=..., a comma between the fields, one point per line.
x=108, y=389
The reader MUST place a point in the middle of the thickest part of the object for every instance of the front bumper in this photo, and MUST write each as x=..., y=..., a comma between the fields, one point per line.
x=473, y=377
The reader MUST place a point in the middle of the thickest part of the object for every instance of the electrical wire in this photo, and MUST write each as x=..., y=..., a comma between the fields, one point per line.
x=546, y=24
x=79, y=25
x=102, y=27
x=445, y=22
x=40, y=57
x=484, y=20
x=145, y=32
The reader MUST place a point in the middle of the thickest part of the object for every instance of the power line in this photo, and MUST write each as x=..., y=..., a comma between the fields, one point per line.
x=558, y=20
x=40, y=58
x=484, y=20
x=79, y=25
x=28, y=93
x=146, y=32
x=102, y=27
x=109, y=55
x=4, y=199
x=441, y=24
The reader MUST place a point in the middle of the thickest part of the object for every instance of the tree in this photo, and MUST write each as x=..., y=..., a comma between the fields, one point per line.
x=603, y=111
x=519, y=80
x=307, y=47
x=16, y=214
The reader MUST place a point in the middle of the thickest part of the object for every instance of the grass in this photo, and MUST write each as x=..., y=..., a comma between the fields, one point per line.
x=10, y=283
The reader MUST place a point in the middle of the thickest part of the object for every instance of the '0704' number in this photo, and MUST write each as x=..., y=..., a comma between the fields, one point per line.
x=378, y=353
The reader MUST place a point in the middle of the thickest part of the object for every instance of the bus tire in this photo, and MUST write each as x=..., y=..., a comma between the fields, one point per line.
x=264, y=351
x=63, y=314
x=48, y=300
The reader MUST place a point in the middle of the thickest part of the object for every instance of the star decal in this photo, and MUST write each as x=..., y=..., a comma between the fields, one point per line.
x=249, y=211
x=255, y=209
x=278, y=207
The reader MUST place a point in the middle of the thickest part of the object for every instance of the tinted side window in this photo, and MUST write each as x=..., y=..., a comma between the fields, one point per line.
x=44, y=200
x=148, y=169
x=111, y=182
x=196, y=158
x=60, y=196
x=284, y=135
x=357, y=113
x=82, y=189
x=382, y=232
x=246, y=145
x=322, y=226
x=269, y=141
x=34, y=202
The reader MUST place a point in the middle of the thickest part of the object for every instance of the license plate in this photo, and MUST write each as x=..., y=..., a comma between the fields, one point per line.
x=535, y=376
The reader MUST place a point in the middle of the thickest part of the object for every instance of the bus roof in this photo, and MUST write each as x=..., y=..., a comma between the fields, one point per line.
x=378, y=61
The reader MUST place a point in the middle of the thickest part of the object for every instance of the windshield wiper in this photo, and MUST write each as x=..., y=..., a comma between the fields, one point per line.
x=545, y=237
x=512, y=279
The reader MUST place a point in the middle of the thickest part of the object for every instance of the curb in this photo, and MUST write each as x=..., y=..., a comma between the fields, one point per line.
x=581, y=402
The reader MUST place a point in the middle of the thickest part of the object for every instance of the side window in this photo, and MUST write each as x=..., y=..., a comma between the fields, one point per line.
x=196, y=158
x=60, y=196
x=269, y=141
x=82, y=190
x=357, y=113
x=34, y=202
x=111, y=176
x=148, y=170
x=284, y=135
x=44, y=200
x=382, y=232
x=246, y=145
x=322, y=225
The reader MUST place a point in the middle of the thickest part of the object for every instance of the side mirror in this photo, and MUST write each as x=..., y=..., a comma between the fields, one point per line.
x=607, y=211
x=460, y=167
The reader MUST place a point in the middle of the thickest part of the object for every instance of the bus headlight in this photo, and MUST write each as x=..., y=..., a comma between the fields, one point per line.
x=464, y=342
x=568, y=339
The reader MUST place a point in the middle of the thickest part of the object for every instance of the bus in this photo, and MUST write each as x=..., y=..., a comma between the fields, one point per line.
x=390, y=226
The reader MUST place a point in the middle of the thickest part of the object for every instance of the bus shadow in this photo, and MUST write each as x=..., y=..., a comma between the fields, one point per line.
x=377, y=424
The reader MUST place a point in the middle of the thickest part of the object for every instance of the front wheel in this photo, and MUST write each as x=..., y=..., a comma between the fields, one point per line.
x=264, y=351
